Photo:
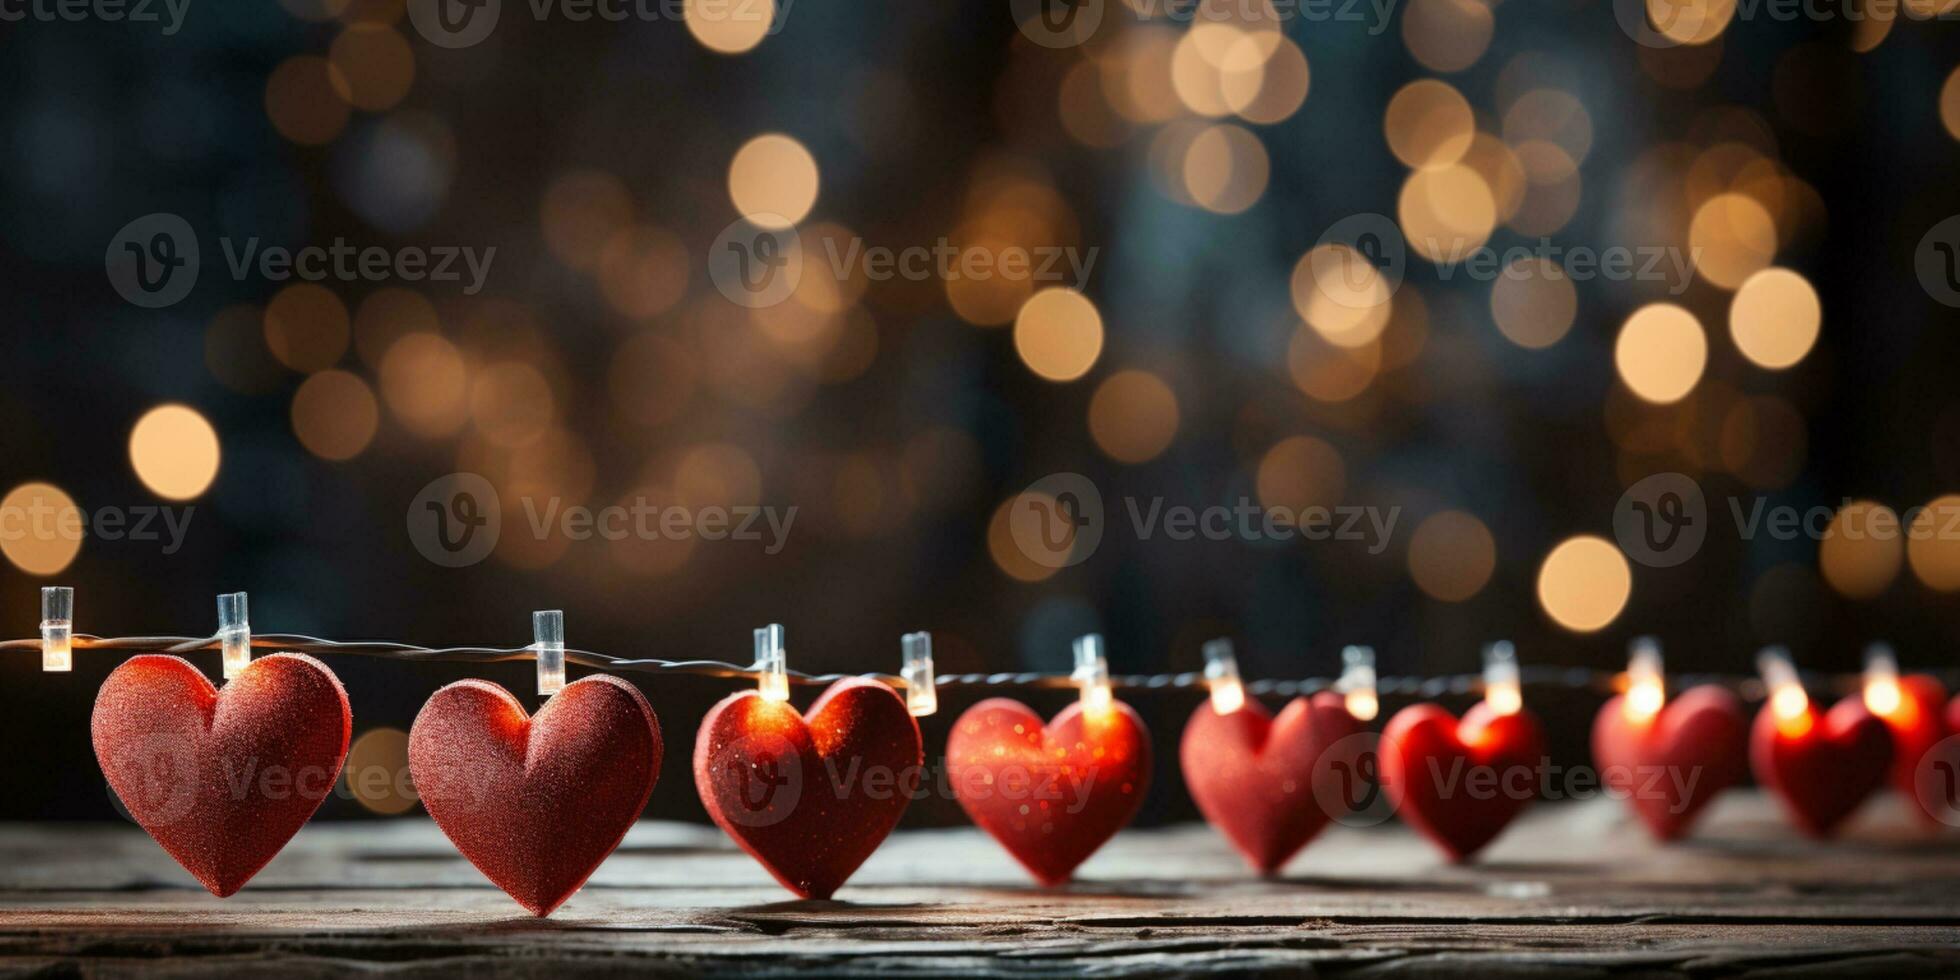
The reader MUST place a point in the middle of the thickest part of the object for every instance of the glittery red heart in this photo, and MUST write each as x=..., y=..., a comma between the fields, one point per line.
x=1821, y=766
x=1670, y=766
x=222, y=778
x=810, y=796
x=1051, y=794
x=1460, y=783
x=1253, y=775
x=536, y=802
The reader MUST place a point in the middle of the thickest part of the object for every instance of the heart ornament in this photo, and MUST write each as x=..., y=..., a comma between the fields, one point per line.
x=1259, y=779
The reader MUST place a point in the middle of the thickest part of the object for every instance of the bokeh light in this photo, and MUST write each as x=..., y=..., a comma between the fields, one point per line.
x=335, y=415
x=174, y=451
x=1661, y=352
x=1058, y=334
x=729, y=28
x=1133, y=416
x=1533, y=302
x=1933, y=544
x=43, y=528
x=1775, y=318
x=1584, y=583
x=1429, y=124
x=1452, y=555
x=1862, y=549
x=773, y=181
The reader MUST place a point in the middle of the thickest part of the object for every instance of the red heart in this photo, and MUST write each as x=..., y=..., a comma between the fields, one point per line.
x=1051, y=794
x=809, y=796
x=1459, y=783
x=1917, y=725
x=536, y=802
x=1822, y=767
x=222, y=779
x=1253, y=777
x=1671, y=765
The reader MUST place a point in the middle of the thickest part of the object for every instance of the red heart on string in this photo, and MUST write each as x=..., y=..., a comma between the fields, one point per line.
x=1460, y=783
x=1821, y=766
x=1671, y=765
x=1917, y=725
x=810, y=796
x=1051, y=794
x=536, y=802
x=1253, y=776
x=222, y=778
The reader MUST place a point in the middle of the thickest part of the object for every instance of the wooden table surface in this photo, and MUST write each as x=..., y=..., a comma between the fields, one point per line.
x=1573, y=889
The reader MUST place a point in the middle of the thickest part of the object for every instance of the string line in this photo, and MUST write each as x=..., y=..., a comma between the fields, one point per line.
x=1530, y=675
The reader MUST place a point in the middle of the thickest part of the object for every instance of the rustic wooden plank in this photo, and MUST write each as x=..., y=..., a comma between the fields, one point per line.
x=1574, y=890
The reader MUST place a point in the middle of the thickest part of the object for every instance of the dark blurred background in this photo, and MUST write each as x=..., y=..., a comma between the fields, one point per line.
x=1200, y=155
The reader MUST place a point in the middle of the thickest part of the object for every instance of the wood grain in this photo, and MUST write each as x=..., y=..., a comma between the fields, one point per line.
x=1573, y=890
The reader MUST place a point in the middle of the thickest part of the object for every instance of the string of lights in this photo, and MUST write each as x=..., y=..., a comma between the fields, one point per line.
x=234, y=640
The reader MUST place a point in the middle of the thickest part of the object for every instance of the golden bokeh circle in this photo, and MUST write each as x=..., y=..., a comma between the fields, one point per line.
x=1584, y=583
x=1429, y=124
x=174, y=451
x=729, y=28
x=1058, y=334
x=1452, y=555
x=1775, y=318
x=773, y=181
x=1133, y=416
x=1933, y=544
x=335, y=415
x=1862, y=549
x=41, y=529
x=1661, y=353
x=1534, y=302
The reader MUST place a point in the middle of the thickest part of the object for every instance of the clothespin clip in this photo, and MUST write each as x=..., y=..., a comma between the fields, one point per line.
x=234, y=634
x=1222, y=675
x=771, y=663
x=548, y=642
x=921, y=698
x=1357, y=683
x=57, y=628
x=1502, y=690
x=1092, y=674
x=1646, y=684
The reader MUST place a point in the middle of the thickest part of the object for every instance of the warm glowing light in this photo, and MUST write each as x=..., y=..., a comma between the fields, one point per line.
x=1342, y=295
x=306, y=327
x=1058, y=334
x=548, y=645
x=1451, y=555
x=1429, y=124
x=771, y=663
x=335, y=415
x=1690, y=21
x=425, y=382
x=1222, y=675
x=234, y=634
x=174, y=451
x=1935, y=556
x=728, y=28
x=1787, y=700
x=1133, y=416
x=1661, y=353
x=42, y=528
x=1584, y=583
x=1091, y=675
x=1647, y=690
x=1534, y=302
x=1775, y=318
x=1731, y=238
x=921, y=695
x=1300, y=472
x=1862, y=549
x=1446, y=212
x=1357, y=683
x=1447, y=35
x=773, y=181
x=1882, y=694
x=1552, y=116
x=57, y=628
x=1502, y=691
x=1225, y=169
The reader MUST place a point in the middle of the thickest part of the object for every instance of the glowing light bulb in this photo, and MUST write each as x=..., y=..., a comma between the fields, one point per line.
x=1222, y=673
x=1787, y=700
x=1501, y=687
x=57, y=628
x=1092, y=674
x=1882, y=694
x=1357, y=683
x=921, y=697
x=234, y=633
x=771, y=663
x=1646, y=689
x=548, y=635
